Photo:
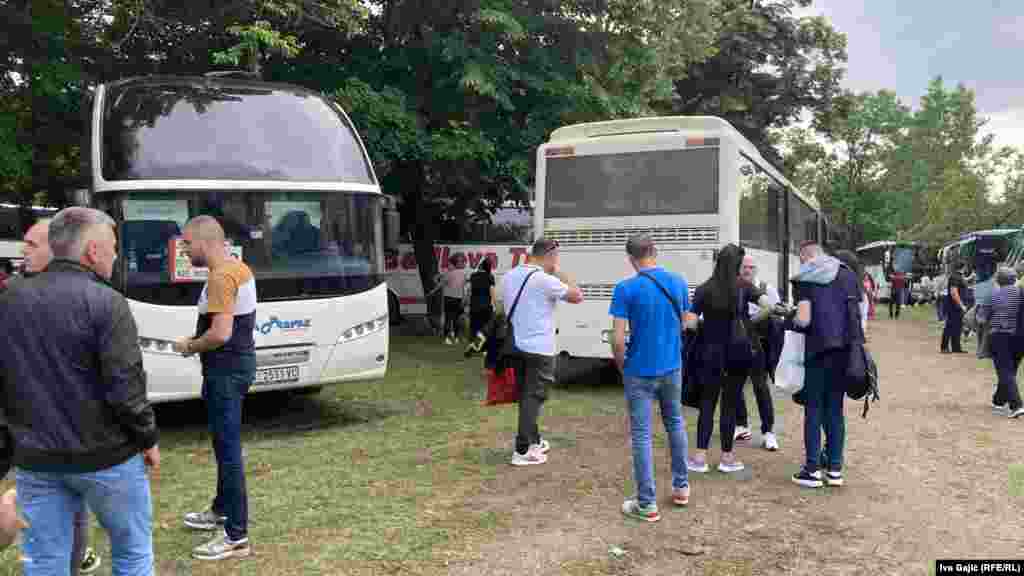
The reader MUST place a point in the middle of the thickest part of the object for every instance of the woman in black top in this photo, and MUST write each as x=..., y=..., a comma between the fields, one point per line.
x=725, y=356
x=481, y=305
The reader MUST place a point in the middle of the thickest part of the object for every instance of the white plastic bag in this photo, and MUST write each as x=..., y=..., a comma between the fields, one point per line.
x=789, y=373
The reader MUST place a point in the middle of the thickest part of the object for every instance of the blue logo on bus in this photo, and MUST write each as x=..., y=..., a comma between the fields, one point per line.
x=282, y=325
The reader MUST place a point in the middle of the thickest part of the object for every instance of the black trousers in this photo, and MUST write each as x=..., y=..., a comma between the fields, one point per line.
x=954, y=329
x=896, y=298
x=534, y=373
x=727, y=386
x=452, y=313
x=478, y=320
x=763, y=395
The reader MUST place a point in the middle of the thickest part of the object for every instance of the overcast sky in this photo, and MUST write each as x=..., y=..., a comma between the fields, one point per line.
x=901, y=45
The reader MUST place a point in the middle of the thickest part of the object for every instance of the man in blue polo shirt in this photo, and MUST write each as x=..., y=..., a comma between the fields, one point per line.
x=652, y=303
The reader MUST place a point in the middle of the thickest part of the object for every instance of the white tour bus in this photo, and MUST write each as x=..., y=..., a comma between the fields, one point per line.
x=504, y=241
x=285, y=172
x=693, y=183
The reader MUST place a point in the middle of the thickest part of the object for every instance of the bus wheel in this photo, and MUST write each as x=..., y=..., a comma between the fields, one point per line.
x=562, y=362
x=394, y=309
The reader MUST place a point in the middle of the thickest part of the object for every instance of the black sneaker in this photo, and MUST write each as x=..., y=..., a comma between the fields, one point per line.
x=808, y=480
x=833, y=478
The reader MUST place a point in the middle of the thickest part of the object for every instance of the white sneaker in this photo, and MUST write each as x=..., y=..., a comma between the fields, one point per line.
x=544, y=446
x=220, y=548
x=448, y=340
x=533, y=456
x=742, y=433
x=729, y=467
x=1016, y=413
x=770, y=442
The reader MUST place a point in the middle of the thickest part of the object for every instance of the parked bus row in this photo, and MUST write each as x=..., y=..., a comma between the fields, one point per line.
x=301, y=205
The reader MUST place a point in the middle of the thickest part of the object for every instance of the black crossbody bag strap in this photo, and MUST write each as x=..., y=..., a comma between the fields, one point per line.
x=518, y=294
x=675, y=305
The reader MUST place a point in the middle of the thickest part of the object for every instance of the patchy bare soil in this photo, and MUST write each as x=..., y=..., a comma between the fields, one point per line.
x=931, y=473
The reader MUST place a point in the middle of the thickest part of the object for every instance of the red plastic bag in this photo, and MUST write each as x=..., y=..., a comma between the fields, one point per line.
x=501, y=387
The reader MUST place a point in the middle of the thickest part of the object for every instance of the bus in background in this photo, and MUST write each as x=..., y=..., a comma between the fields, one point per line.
x=504, y=241
x=285, y=172
x=883, y=258
x=14, y=222
x=692, y=183
x=978, y=254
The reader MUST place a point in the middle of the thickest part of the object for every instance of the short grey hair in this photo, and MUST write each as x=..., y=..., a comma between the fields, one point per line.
x=813, y=249
x=1006, y=276
x=70, y=229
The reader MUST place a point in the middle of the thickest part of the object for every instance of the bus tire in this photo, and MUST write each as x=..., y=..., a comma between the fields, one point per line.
x=394, y=309
x=562, y=374
x=308, y=391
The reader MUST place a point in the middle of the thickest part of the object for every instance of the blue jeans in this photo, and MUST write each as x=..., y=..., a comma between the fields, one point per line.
x=118, y=496
x=223, y=392
x=668, y=391
x=824, y=393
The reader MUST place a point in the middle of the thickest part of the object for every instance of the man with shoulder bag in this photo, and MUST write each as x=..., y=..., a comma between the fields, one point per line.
x=530, y=293
x=652, y=305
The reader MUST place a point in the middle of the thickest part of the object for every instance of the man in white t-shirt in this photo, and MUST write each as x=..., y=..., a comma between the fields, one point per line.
x=533, y=322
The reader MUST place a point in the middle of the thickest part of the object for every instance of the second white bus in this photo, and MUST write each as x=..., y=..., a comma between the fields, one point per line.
x=693, y=183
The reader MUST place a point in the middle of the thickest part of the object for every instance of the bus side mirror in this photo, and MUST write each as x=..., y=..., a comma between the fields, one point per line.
x=392, y=226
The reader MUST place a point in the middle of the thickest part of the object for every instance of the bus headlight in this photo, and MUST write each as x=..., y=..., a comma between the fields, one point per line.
x=364, y=329
x=157, y=346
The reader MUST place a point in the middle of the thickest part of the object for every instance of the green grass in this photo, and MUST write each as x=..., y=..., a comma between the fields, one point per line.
x=364, y=478
x=1016, y=473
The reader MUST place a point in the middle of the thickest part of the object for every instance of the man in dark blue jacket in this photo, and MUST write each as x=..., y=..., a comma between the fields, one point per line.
x=73, y=395
x=825, y=289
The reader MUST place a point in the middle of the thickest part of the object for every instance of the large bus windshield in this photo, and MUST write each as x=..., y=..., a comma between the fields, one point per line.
x=680, y=181
x=191, y=130
x=298, y=244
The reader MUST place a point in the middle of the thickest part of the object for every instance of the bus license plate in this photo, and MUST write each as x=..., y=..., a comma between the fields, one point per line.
x=276, y=375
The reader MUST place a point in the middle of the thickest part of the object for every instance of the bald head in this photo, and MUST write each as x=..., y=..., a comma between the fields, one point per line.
x=205, y=228
x=204, y=239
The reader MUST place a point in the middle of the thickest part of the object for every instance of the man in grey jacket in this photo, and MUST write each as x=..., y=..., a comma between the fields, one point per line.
x=73, y=394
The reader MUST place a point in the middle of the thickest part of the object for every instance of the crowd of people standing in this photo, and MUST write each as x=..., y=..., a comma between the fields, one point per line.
x=75, y=421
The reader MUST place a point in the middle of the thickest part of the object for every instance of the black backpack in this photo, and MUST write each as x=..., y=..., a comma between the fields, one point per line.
x=861, y=370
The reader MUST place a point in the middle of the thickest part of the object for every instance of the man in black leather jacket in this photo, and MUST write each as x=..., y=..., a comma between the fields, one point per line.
x=73, y=395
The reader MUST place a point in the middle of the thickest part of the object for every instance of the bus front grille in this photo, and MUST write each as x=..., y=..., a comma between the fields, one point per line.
x=618, y=236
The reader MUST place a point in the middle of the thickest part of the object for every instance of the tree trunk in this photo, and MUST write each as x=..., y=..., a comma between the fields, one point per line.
x=425, y=230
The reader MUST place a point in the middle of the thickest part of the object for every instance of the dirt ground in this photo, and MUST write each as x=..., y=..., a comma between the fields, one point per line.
x=931, y=473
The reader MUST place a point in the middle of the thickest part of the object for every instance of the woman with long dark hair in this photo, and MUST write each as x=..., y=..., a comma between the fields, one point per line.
x=727, y=352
